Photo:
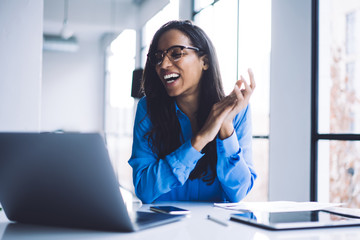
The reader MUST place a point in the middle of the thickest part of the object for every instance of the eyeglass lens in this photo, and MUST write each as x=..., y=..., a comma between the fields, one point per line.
x=174, y=53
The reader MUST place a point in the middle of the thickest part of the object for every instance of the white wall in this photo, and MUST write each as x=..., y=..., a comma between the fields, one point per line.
x=73, y=83
x=185, y=7
x=72, y=90
x=20, y=64
x=290, y=85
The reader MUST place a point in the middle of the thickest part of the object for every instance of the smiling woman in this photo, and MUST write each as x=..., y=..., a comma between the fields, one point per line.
x=191, y=142
x=184, y=79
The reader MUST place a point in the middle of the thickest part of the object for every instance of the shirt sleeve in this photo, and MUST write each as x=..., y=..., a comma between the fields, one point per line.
x=234, y=168
x=153, y=177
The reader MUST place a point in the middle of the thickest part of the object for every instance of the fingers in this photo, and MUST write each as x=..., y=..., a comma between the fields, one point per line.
x=243, y=81
x=248, y=90
x=238, y=98
x=252, y=79
x=225, y=105
x=216, y=117
x=237, y=90
x=243, y=90
x=239, y=83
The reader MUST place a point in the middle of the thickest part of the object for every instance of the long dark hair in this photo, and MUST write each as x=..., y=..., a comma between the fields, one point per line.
x=165, y=135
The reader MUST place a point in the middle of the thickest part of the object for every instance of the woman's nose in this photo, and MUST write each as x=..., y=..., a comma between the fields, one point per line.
x=165, y=62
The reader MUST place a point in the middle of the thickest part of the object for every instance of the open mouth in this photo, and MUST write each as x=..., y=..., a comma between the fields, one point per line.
x=172, y=77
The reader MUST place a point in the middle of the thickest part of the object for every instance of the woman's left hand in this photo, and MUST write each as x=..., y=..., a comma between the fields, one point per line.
x=243, y=97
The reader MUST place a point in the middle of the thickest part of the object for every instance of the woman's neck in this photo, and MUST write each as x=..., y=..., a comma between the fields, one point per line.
x=189, y=106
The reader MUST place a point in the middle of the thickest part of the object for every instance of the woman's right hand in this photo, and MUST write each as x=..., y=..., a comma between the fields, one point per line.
x=214, y=122
x=243, y=95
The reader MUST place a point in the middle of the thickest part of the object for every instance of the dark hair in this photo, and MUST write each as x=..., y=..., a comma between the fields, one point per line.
x=164, y=137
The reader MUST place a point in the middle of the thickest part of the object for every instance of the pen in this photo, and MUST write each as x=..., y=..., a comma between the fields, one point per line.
x=217, y=221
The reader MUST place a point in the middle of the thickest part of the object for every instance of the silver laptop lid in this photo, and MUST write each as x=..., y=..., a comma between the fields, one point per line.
x=60, y=179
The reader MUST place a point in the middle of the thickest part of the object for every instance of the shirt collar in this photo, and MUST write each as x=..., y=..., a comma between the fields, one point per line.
x=177, y=109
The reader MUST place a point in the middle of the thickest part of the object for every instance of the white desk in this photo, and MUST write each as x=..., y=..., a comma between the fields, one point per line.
x=197, y=226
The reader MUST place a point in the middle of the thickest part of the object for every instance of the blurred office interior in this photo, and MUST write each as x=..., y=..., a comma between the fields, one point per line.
x=69, y=65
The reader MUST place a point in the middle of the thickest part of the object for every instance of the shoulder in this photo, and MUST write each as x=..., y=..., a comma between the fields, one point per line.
x=142, y=102
x=142, y=121
x=142, y=105
x=141, y=109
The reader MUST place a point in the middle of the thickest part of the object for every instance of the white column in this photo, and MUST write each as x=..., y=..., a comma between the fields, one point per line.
x=185, y=9
x=20, y=64
x=290, y=101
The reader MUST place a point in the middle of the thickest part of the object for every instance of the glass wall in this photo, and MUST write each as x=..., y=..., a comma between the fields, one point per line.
x=339, y=175
x=168, y=13
x=119, y=105
x=120, y=63
x=339, y=101
x=223, y=34
x=339, y=66
x=241, y=33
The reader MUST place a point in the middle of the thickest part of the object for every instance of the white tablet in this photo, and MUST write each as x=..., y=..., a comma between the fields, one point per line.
x=296, y=220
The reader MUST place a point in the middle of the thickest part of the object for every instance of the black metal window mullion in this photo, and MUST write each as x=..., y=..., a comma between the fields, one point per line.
x=260, y=136
x=314, y=99
x=339, y=137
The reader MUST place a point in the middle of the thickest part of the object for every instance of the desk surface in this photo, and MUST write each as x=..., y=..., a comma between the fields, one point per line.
x=196, y=226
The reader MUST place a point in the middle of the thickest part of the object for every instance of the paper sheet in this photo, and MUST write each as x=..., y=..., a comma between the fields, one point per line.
x=276, y=206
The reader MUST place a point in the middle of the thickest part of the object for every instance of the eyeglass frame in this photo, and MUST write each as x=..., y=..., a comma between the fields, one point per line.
x=165, y=52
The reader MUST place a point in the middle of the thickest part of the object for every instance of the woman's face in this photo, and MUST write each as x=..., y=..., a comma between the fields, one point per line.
x=180, y=78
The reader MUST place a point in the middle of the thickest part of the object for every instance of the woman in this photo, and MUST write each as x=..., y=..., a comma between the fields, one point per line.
x=191, y=142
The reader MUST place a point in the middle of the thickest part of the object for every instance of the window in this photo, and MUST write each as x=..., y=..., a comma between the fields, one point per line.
x=350, y=32
x=119, y=105
x=223, y=34
x=241, y=33
x=169, y=12
x=119, y=111
x=336, y=102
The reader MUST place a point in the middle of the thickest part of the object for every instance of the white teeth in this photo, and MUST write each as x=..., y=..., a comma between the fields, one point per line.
x=171, y=75
x=171, y=81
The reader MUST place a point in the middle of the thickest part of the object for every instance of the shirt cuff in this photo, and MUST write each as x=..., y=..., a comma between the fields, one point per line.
x=230, y=145
x=183, y=160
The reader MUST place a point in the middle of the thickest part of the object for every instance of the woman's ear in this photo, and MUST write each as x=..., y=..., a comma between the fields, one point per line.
x=205, y=61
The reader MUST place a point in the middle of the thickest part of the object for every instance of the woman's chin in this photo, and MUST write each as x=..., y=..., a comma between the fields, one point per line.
x=172, y=93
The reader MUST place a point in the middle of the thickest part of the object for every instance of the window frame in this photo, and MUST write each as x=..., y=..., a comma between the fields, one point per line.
x=258, y=138
x=194, y=13
x=315, y=135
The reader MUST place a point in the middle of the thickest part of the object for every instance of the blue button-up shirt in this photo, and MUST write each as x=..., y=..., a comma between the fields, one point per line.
x=167, y=179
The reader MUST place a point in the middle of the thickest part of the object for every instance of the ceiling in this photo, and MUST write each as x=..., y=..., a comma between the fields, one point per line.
x=90, y=18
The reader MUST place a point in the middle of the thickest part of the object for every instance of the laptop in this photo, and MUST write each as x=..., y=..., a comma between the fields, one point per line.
x=296, y=220
x=67, y=180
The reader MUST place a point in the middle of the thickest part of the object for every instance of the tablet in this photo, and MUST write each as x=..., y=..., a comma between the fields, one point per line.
x=296, y=220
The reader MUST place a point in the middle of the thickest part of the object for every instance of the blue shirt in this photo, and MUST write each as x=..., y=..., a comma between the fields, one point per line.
x=167, y=179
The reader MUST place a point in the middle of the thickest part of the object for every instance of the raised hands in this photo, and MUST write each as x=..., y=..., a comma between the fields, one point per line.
x=220, y=119
x=242, y=95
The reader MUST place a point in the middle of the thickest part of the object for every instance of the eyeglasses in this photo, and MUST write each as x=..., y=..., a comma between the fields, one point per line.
x=174, y=53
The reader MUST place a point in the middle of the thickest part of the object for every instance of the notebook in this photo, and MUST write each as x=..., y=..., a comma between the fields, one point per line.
x=65, y=179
